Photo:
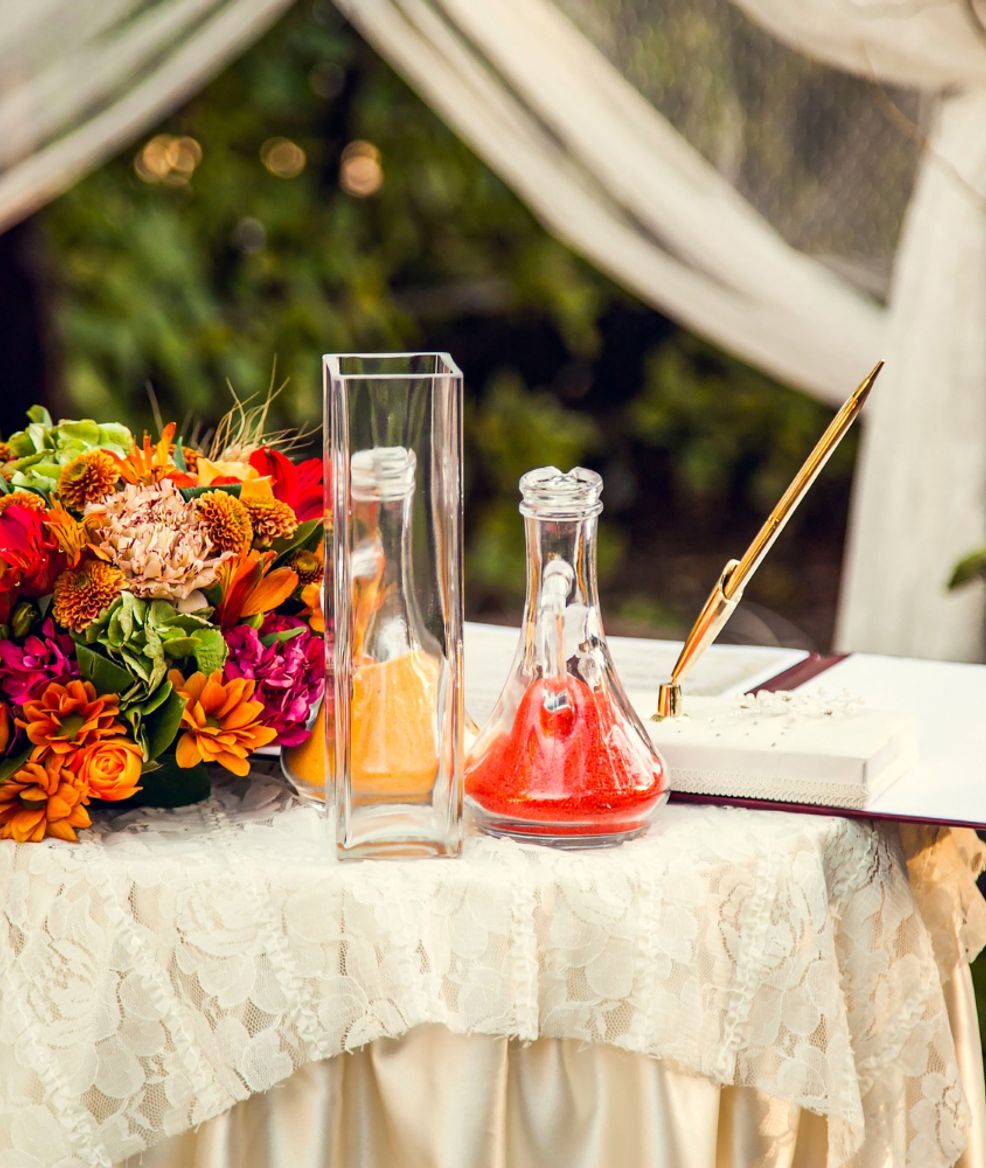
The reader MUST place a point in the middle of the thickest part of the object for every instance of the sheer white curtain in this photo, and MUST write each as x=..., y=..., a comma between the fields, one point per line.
x=608, y=174
x=736, y=194
x=606, y=171
x=920, y=496
x=79, y=80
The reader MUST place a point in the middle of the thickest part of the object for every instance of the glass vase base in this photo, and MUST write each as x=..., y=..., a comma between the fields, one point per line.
x=555, y=837
x=397, y=832
x=302, y=790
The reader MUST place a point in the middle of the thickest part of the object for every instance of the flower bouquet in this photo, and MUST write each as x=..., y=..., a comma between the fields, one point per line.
x=159, y=610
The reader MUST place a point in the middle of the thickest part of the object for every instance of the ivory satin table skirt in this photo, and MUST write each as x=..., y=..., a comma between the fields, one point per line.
x=434, y=1099
x=209, y=987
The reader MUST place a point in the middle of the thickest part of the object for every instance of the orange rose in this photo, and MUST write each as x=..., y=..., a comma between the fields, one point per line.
x=111, y=768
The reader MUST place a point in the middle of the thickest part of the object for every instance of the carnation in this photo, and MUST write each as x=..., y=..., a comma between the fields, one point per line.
x=290, y=675
x=155, y=537
x=27, y=669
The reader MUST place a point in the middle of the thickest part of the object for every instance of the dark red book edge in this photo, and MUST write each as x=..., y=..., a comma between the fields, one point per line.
x=805, y=671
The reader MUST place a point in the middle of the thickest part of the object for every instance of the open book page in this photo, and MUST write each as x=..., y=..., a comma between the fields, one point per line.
x=641, y=664
x=949, y=701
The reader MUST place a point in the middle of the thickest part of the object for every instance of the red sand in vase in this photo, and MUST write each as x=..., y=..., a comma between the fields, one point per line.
x=563, y=758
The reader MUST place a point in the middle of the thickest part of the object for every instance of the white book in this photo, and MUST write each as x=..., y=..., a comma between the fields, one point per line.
x=784, y=748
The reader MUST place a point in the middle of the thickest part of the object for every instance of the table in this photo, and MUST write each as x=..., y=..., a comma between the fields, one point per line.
x=736, y=988
x=169, y=967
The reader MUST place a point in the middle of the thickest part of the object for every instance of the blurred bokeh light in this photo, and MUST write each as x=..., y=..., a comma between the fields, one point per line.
x=360, y=170
x=282, y=157
x=168, y=159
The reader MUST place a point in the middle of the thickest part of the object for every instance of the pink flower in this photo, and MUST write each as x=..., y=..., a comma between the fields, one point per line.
x=290, y=675
x=25, y=670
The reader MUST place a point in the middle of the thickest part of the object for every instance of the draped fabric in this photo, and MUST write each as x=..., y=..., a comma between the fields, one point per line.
x=609, y=175
x=493, y=1103
x=742, y=165
x=78, y=81
x=525, y=84
x=172, y=964
x=922, y=481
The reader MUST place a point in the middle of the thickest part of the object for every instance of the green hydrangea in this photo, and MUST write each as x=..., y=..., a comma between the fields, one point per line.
x=43, y=447
x=128, y=650
x=147, y=637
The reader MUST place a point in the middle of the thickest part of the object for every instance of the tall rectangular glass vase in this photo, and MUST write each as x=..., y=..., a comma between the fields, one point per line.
x=393, y=434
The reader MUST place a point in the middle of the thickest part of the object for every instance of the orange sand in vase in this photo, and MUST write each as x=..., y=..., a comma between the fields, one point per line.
x=394, y=752
x=307, y=762
x=393, y=748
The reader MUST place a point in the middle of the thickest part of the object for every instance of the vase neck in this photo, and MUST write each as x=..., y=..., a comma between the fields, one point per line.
x=388, y=623
x=562, y=608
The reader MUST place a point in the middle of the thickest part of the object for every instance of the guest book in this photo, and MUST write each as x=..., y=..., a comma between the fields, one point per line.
x=946, y=701
x=785, y=747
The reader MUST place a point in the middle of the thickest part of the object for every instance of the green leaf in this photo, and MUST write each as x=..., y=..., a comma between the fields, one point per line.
x=156, y=699
x=210, y=650
x=282, y=636
x=968, y=568
x=170, y=785
x=9, y=765
x=35, y=490
x=161, y=728
x=190, y=493
x=305, y=533
x=179, y=647
x=179, y=455
x=40, y=415
x=105, y=675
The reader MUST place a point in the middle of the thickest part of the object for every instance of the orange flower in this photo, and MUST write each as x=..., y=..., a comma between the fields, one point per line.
x=220, y=721
x=26, y=499
x=271, y=520
x=227, y=470
x=226, y=520
x=311, y=597
x=152, y=463
x=68, y=533
x=111, y=768
x=248, y=587
x=5, y=731
x=88, y=478
x=81, y=594
x=43, y=800
x=308, y=565
x=6, y=452
x=67, y=718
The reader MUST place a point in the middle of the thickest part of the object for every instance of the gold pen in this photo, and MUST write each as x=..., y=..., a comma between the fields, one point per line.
x=728, y=590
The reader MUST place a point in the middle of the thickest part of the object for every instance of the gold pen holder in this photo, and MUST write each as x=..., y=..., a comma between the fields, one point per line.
x=716, y=611
x=669, y=701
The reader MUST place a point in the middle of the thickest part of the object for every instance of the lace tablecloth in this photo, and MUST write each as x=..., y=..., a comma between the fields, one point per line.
x=173, y=963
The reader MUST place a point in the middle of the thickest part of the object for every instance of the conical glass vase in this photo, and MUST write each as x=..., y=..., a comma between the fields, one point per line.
x=563, y=758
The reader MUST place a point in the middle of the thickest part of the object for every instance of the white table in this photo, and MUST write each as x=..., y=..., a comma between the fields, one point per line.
x=735, y=988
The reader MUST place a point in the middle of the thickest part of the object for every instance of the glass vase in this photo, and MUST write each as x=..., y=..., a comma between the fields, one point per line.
x=393, y=431
x=563, y=758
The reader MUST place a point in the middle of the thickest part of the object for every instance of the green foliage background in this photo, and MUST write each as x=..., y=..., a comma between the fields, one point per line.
x=185, y=287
